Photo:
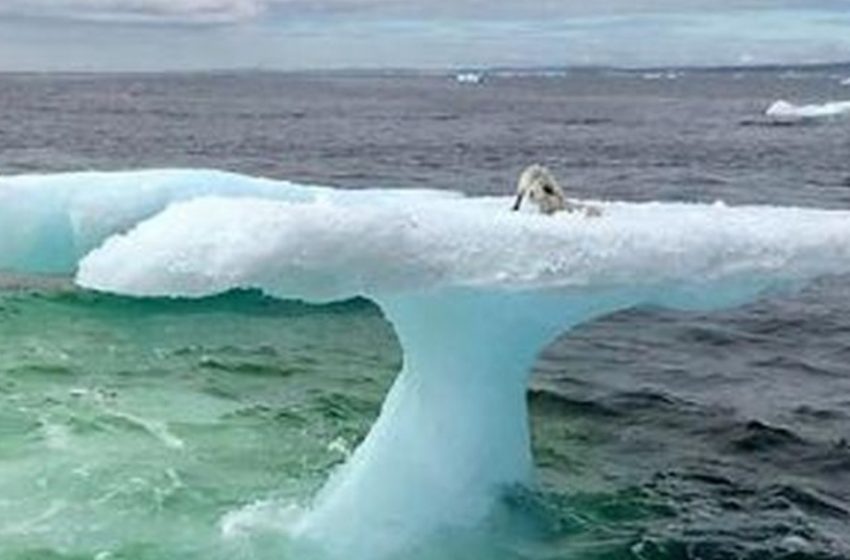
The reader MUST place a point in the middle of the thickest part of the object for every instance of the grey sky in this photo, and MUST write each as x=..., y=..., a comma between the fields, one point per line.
x=290, y=34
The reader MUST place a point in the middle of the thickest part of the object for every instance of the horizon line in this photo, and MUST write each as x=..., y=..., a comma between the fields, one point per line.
x=412, y=70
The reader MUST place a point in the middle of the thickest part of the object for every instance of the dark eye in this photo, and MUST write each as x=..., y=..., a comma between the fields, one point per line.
x=548, y=189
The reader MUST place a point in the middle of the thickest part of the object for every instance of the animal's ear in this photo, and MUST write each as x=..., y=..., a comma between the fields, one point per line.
x=518, y=201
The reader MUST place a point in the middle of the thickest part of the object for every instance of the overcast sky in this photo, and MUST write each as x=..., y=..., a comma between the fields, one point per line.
x=298, y=34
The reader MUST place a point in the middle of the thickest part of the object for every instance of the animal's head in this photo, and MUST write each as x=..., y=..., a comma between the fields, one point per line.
x=539, y=185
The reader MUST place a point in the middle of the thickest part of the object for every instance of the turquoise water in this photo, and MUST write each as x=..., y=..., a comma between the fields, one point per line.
x=150, y=429
x=130, y=428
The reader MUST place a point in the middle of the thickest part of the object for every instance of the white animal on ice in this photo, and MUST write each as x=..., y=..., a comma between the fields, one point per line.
x=539, y=185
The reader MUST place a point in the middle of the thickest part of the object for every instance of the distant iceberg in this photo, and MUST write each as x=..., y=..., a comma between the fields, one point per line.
x=668, y=75
x=469, y=78
x=784, y=111
x=845, y=82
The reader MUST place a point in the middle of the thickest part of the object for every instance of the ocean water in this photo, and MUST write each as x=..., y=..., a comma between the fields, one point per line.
x=166, y=428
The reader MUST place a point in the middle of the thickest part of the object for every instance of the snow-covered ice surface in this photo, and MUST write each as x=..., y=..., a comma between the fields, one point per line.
x=52, y=220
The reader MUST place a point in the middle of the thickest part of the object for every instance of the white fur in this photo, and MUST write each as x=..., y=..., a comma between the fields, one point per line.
x=539, y=185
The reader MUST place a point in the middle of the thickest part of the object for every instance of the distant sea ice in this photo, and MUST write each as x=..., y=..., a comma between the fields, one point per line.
x=784, y=111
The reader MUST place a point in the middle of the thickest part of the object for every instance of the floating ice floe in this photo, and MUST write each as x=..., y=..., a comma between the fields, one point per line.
x=784, y=111
x=469, y=78
x=669, y=75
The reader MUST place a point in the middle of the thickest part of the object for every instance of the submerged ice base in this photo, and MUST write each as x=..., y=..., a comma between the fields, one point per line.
x=474, y=292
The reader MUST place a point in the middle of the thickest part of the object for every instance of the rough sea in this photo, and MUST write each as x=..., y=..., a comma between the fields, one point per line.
x=152, y=429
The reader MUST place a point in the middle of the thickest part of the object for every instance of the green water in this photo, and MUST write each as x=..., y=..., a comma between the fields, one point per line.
x=134, y=429
x=129, y=428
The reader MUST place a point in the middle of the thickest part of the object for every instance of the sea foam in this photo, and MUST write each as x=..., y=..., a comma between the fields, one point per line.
x=474, y=292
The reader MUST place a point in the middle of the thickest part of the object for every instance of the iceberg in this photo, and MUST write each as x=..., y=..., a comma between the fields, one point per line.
x=474, y=292
x=784, y=111
x=469, y=78
x=51, y=221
